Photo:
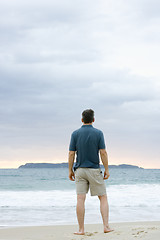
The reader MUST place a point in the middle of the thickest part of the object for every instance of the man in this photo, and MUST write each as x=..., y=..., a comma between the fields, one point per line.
x=87, y=142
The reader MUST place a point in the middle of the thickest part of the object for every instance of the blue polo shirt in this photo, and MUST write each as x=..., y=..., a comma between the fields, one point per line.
x=87, y=141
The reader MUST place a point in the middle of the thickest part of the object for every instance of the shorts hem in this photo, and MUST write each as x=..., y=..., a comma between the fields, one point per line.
x=78, y=193
x=95, y=194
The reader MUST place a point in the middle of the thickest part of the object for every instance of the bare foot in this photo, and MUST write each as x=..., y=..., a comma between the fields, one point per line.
x=108, y=229
x=79, y=233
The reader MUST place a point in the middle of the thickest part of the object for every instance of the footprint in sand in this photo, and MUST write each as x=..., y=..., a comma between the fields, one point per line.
x=152, y=228
x=139, y=233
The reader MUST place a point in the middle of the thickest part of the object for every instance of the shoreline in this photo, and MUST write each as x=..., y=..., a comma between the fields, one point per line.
x=75, y=224
x=122, y=230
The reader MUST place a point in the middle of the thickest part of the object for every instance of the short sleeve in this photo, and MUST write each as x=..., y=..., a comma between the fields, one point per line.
x=72, y=146
x=101, y=144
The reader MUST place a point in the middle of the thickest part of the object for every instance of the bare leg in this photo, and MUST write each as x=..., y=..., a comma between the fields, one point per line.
x=104, y=208
x=80, y=213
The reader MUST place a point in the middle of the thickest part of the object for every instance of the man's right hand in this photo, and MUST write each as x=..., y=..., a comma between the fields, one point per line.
x=71, y=176
x=106, y=174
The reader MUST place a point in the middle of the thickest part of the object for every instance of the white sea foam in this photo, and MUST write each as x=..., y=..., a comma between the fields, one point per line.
x=139, y=202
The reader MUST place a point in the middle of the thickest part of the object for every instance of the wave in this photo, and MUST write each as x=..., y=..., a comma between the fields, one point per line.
x=139, y=202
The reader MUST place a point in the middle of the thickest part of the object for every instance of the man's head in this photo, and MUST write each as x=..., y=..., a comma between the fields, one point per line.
x=88, y=116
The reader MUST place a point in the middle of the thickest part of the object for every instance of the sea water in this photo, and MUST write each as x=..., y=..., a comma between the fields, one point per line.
x=47, y=197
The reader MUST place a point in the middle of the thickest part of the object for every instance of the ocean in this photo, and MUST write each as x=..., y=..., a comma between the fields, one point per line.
x=33, y=197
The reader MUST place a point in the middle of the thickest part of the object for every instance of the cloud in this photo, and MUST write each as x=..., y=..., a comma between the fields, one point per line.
x=58, y=58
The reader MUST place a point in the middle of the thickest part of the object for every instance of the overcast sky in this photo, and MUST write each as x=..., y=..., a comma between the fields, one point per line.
x=58, y=58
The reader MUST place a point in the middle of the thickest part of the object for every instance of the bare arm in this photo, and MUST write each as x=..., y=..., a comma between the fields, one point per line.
x=104, y=158
x=71, y=157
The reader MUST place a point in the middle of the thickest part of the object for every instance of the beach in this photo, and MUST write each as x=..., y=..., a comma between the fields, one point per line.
x=40, y=204
x=122, y=231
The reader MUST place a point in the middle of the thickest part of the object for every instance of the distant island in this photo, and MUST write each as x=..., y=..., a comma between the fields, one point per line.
x=65, y=165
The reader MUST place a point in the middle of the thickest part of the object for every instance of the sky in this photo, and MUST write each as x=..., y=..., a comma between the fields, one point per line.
x=58, y=58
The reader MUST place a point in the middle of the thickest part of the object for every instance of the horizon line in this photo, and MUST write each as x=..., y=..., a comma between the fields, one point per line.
x=67, y=162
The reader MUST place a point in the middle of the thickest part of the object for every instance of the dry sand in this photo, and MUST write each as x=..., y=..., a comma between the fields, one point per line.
x=122, y=231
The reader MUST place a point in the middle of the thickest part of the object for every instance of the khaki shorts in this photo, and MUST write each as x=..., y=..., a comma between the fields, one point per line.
x=90, y=178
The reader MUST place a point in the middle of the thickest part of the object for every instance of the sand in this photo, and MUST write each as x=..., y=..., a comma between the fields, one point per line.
x=122, y=231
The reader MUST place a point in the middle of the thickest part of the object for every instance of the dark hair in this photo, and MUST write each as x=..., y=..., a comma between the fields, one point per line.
x=88, y=116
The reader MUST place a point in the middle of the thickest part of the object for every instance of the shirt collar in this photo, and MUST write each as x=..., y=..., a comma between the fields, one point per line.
x=87, y=126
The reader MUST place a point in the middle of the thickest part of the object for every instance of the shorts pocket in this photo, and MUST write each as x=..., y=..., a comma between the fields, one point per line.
x=98, y=173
